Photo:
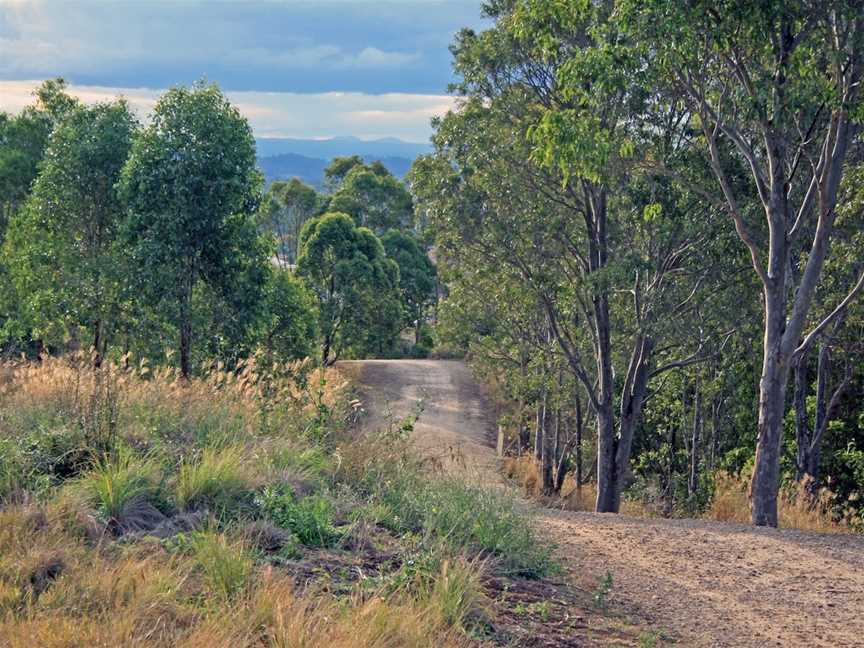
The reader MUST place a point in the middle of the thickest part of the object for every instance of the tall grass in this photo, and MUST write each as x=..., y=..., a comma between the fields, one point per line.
x=797, y=508
x=226, y=566
x=116, y=482
x=145, y=459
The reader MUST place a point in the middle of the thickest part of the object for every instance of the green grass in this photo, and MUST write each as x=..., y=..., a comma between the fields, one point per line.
x=216, y=480
x=309, y=518
x=226, y=566
x=114, y=483
x=468, y=518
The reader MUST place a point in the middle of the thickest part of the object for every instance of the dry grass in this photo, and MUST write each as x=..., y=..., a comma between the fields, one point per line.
x=56, y=591
x=797, y=508
x=525, y=471
x=96, y=441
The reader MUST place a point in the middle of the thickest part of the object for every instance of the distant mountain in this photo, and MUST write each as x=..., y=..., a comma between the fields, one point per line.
x=282, y=159
x=327, y=149
x=290, y=165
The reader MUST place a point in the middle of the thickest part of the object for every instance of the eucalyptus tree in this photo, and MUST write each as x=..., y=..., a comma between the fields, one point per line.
x=773, y=87
x=284, y=210
x=373, y=197
x=62, y=250
x=417, y=277
x=23, y=139
x=538, y=169
x=354, y=284
x=192, y=189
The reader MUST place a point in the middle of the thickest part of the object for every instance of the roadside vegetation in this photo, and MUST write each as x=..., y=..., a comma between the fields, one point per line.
x=239, y=508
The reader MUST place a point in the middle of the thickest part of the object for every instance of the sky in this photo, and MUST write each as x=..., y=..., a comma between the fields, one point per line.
x=296, y=68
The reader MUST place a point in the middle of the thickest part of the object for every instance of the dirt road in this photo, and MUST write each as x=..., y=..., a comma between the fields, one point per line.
x=702, y=583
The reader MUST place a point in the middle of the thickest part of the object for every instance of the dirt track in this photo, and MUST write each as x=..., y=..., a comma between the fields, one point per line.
x=703, y=583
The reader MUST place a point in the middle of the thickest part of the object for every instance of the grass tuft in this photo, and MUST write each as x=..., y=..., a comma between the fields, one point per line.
x=226, y=566
x=115, y=483
x=217, y=479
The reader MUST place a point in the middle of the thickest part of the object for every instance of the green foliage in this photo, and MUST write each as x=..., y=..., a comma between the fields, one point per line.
x=309, y=518
x=192, y=188
x=62, y=250
x=289, y=323
x=417, y=276
x=354, y=284
x=372, y=196
x=284, y=210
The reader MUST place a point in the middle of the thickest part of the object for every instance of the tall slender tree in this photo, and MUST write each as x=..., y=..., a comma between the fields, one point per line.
x=62, y=248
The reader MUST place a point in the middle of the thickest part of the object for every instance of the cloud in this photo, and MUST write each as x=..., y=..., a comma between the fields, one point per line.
x=374, y=58
x=370, y=46
x=284, y=114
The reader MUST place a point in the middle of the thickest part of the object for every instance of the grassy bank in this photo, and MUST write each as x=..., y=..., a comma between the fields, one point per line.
x=239, y=509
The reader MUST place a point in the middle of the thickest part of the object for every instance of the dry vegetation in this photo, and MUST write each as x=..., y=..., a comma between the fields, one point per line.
x=236, y=509
x=798, y=507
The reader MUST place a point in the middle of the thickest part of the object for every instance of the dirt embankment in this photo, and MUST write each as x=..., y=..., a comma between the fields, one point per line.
x=703, y=583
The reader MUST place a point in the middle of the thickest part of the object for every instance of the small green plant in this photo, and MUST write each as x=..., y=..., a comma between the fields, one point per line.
x=541, y=609
x=217, y=479
x=309, y=518
x=226, y=566
x=115, y=482
x=651, y=638
x=602, y=591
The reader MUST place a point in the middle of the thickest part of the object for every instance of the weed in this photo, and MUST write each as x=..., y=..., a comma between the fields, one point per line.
x=309, y=518
x=226, y=566
x=602, y=591
x=456, y=594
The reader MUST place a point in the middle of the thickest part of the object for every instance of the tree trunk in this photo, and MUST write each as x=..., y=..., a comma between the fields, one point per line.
x=97, y=344
x=186, y=348
x=547, y=456
x=579, y=424
x=802, y=422
x=692, y=481
x=632, y=401
x=605, y=459
x=765, y=484
x=823, y=413
x=186, y=329
x=539, y=425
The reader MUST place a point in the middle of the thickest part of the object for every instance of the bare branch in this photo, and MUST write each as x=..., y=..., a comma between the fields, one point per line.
x=808, y=339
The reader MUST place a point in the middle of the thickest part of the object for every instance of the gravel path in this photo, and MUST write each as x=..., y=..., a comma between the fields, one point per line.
x=704, y=583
